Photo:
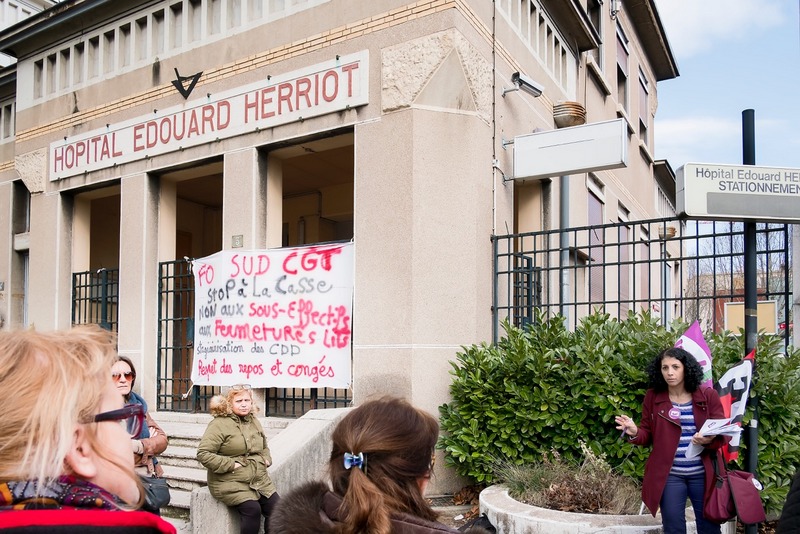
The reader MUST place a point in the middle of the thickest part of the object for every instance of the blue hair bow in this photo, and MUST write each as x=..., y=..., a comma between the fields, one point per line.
x=354, y=460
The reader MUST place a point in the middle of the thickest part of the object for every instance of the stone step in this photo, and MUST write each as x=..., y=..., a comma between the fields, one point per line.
x=180, y=474
x=179, y=498
x=180, y=456
x=182, y=525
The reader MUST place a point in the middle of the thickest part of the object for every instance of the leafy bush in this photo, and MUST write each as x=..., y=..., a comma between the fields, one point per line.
x=545, y=388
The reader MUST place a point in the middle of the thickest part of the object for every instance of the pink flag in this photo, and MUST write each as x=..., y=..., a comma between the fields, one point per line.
x=692, y=341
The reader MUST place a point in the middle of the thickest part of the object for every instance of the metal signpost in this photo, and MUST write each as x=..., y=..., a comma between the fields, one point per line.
x=749, y=194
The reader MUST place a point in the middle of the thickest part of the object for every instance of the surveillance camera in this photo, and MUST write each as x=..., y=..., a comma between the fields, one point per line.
x=527, y=84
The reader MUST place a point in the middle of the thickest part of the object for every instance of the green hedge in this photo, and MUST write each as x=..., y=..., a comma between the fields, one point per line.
x=545, y=388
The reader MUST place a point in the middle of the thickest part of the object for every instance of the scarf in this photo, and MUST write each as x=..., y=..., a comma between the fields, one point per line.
x=133, y=398
x=66, y=491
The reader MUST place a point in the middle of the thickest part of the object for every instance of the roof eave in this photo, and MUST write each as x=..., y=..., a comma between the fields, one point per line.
x=645, y=18
x=33, y=28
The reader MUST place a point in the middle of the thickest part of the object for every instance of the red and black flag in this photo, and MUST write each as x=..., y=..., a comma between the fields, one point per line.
x=733, y=388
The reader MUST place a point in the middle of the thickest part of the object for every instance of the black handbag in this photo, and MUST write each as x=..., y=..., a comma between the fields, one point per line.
x=479, y=522
x=156, y=493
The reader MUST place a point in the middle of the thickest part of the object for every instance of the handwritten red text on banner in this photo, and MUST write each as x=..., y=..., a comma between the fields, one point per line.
x=274, y=318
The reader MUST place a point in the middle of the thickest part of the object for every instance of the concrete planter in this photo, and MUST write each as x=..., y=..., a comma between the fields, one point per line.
x=514, y=517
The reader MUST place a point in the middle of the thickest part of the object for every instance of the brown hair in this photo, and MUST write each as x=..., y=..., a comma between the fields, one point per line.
x=397, y=441
x=133, y=378
x=72, y=368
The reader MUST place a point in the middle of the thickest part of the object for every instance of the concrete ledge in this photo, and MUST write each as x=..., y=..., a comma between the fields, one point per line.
x=514, y=517
x=300, y=453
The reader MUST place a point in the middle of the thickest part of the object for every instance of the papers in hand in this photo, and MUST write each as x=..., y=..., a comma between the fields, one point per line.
x=713, y=427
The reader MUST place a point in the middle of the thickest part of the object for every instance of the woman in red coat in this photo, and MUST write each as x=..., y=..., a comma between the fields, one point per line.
x=675, y=408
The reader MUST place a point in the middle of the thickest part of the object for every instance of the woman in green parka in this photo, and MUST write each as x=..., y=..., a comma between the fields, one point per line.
x=234, y=451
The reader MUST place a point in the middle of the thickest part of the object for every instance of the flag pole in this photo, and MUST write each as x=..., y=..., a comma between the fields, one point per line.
x=750, y=298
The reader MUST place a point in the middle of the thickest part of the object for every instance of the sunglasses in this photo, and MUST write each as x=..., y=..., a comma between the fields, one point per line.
x=128, y=375
x=131, y=417
x=241, y=387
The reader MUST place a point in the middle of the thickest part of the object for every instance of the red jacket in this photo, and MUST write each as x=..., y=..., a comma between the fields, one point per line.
x=664, y=433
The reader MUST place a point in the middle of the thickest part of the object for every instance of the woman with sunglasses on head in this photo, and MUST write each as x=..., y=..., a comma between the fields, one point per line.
x=380, y=466
x=65, y=455
x=234, y=450
x=151, y=440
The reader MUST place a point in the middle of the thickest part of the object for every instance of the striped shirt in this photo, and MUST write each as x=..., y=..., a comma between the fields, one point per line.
x=683, y=465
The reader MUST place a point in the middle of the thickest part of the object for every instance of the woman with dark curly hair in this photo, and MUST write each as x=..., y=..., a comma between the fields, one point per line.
x=674, y=408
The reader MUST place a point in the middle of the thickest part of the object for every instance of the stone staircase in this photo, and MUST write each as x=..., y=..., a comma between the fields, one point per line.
x=181, y=468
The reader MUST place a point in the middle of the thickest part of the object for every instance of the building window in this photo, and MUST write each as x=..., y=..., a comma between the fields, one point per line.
x=38, y=78
x=596, y=242
x=141, y=38
x=94, y=57
x=176, y=25
x=158, y=32
x=664, y=204
x=124, y=45
x=77, y=64
x=623, y=57
x=595, y=12
x=625, y=245
x=109, y=44
x=214, y=16
x=645, y=278
x=21, y=218
x=50, y=74
x=255, y=9
x=7, y=112
x=63, y=69
x=195, y=20
x=234, y=13
x=644, y=109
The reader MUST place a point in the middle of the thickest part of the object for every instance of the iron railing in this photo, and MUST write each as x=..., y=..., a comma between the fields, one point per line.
x=294, y=402
x=95, y=298
x=672, y=267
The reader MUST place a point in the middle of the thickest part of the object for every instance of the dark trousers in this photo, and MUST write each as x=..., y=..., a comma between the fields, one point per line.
x=250, y=513
x=673, y=504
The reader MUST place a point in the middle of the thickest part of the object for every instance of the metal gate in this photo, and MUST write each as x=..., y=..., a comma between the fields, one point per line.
x=175, y=341
x=175, y=353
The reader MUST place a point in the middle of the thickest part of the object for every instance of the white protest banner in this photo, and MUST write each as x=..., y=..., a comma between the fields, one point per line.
x=274, y=318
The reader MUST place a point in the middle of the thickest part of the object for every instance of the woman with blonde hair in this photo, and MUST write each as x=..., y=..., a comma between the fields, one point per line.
x=381, y=461
x=234, y=450
x=65, y=454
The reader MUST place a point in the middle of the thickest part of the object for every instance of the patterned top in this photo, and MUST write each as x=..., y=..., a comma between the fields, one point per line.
x=64, y=492
x=682, y=465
